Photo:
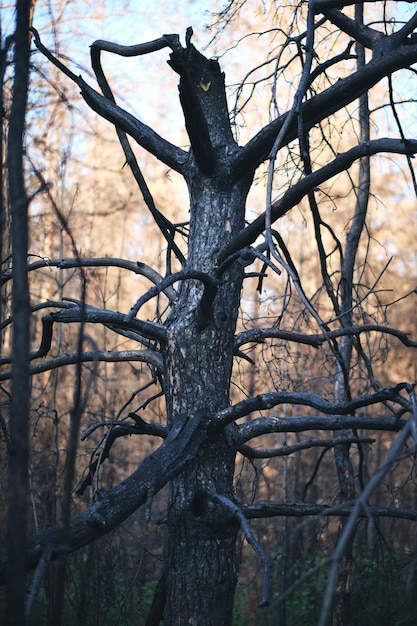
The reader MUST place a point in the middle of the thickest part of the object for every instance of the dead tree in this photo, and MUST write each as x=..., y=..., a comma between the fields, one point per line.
x=194, y=346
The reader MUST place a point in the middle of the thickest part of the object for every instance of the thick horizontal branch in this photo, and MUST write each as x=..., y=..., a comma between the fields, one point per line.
x=285, y=450
x=166, y=41
x=275, y=398
x=296, y=424
x=138, y=427
x=297, y=192
x=88, y=313
x=300, y=509
x=370, y=328
x=110, y=322
x=137, y=267
x=258, y=335
x=109, y=356
x=148, y=428
x=324, y=104
x=116, y=505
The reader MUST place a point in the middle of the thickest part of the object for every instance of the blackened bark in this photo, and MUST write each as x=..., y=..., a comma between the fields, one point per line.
x=202, y=537
x=203, y=100
x=201, y=565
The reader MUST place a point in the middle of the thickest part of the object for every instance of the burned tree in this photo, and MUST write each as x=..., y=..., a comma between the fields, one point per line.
x=194, y=346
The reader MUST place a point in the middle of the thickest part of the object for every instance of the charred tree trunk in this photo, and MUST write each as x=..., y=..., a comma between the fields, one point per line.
x=195, y=343
x=201, y=558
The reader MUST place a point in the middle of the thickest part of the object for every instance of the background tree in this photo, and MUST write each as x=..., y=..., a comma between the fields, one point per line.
x=20, y=387
x=223, y=375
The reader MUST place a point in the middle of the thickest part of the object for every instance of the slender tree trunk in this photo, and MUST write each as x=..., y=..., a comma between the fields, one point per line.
x=345, y=472
x=19, y=418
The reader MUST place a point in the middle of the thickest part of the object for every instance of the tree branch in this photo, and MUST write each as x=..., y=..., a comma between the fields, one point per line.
x=368, y=37
x=294, y=194
x=116, y=430
x=285, y=450
x=275, y=398
x=296, y=424
x=301, y=509
x=164, y=225
x=102, y=316
x=255, y=335
x=210, y=288
x=166, y=41
x=137, y=267
x=238, y=513
x=145, y=136
x=317, y=108
x=258, y=335
x=109, y=356
x=116, y=505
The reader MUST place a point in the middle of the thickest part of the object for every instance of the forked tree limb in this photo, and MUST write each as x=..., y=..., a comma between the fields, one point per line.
x=275, y=398
x=149, y=330
x=116, y=505
x=145, y=136
x=164, y=225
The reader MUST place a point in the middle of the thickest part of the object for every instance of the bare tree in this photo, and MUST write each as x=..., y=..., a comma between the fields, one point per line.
x=193, y=345
x=19, y=431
